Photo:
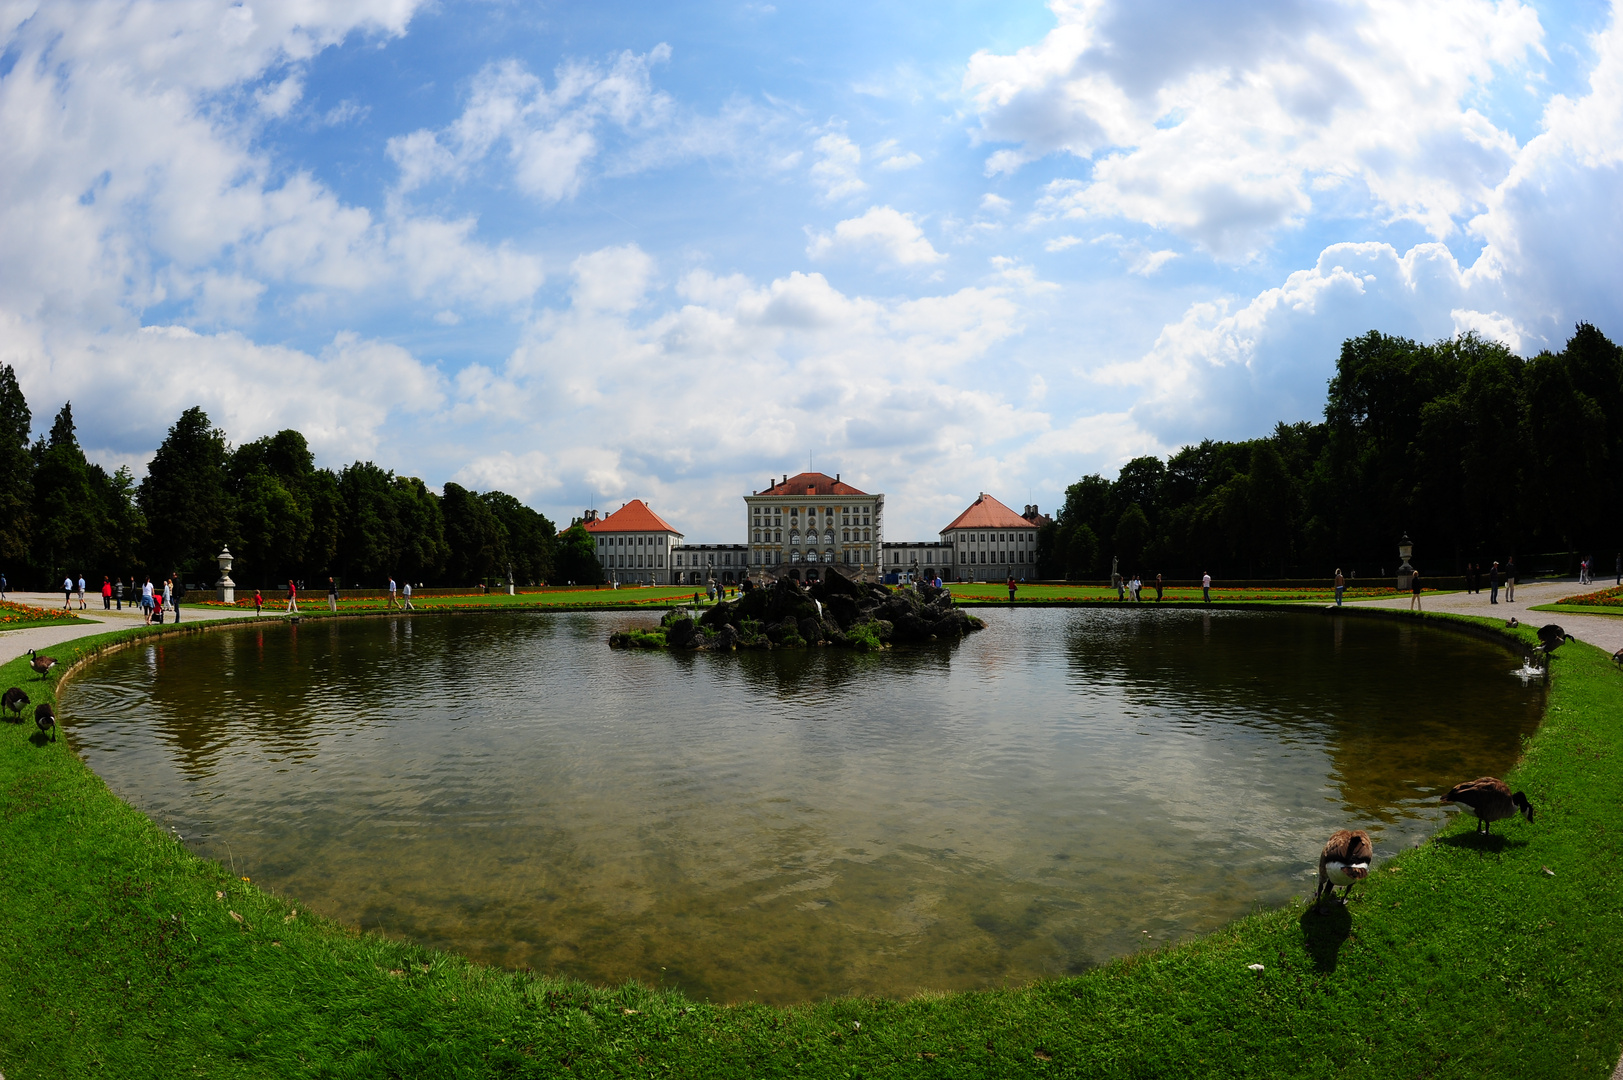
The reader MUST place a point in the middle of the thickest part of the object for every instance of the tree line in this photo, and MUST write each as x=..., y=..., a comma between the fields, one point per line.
x=283, y=518
x=1472, y=451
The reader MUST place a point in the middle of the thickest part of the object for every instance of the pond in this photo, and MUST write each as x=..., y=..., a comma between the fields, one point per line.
x=1064, y=787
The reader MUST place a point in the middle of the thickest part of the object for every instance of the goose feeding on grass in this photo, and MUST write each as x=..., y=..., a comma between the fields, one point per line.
x=1344, y=861
x=1491, y=800
x=14, y=700
x=45, y=717
x=42, y=665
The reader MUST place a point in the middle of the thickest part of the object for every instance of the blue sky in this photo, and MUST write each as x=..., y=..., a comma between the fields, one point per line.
x=588, y=253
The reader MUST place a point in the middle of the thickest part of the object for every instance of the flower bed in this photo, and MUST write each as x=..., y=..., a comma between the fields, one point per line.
x=1612, y=597
x=12, y=612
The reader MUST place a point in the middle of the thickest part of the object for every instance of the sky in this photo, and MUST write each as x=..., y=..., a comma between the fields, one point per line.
x=586, y=253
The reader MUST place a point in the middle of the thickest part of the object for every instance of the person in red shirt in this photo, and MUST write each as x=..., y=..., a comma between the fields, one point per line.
x=292, y=598
x=259, y=601
x=1012, y=587
x=107, y=594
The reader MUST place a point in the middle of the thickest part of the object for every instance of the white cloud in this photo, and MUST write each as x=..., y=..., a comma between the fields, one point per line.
x=613, y=279
x=995, y=204
x=893, y=235
x=1228, y=125
x=1148, y=262
x=277, y=101
x=898, y=162
x=550, y=135
x=835, y=171
x=1060, y=243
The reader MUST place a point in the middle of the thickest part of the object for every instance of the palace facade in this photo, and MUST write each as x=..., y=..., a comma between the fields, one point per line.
x=801, y=524
x=804, y=522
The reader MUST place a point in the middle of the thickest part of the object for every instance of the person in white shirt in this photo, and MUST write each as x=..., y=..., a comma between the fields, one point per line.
x=393, y=602
x=81, y=592
x=1206, y=587
x=67, y=593
x=407, y=595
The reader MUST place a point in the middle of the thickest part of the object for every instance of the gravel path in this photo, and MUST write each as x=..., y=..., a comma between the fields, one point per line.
x=15, y=643
x=1605, y=631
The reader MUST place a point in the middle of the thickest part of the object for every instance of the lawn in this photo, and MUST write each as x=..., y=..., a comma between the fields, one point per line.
x=121, y=954
x=997, y=592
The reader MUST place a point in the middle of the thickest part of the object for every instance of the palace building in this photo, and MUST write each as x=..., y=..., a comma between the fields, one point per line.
x=990, y=542
x=802, y=523
x=634, y=544
x=700, y=564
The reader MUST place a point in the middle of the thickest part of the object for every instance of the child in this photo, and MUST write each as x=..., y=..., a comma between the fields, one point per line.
x=259, y=602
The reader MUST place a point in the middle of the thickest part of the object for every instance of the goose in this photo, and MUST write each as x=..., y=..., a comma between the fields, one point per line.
x=45, y=717
x=1617, y=658
x=1344, y=861
x=1514, y=622
x=42, y=665
x=1491, y=799
x=14, y=700
x=1551, y=637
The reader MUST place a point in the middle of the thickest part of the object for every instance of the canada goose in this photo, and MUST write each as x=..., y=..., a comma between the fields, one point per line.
x=1617, y=658
x=1551, y=637
x=45, y=717
x=1514, y=622
x=1344, y=861
x=14, y=700
x=1491, y=800
x=42, y=665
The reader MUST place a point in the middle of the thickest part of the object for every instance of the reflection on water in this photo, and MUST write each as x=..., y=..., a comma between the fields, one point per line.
x=783, y=826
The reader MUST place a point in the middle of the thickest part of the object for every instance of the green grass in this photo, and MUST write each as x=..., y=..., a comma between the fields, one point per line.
x=1579, y=609
x=120, y=956
x=991, y=592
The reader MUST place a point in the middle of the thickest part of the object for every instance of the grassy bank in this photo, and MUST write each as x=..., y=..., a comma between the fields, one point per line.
x=123, y=955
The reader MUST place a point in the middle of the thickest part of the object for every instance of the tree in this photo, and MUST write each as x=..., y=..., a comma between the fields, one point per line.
x=1132, y=533
x=184, y=496
x=1081, y=553
x=475, y=539
x=69, y=535
x=16, y=470
x=273, y=484
x=577, y=558
x=531, y=538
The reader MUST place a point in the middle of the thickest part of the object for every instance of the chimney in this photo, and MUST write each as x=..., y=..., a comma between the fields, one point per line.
x=836, y=478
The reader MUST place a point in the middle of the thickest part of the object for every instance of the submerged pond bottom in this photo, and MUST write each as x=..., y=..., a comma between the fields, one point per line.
x=1061, y=789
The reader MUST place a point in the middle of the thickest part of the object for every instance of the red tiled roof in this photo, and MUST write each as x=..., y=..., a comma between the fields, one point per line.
x=987, y=513
x=812, y=483
x=634, y=516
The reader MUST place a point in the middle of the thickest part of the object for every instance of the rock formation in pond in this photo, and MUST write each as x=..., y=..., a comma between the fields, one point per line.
x=834, y=611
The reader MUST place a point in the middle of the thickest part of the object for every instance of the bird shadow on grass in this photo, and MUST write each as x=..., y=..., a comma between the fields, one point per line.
x=1475, y=841
x=1323, y=934
x=39, y=738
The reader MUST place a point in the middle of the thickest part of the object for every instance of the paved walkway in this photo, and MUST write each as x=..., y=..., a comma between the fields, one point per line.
x=15, y=643
x=1604, y=631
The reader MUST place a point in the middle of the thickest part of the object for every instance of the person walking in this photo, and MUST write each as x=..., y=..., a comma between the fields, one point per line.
x=259, y=602
x=1157, y=588
x=1493, y=583
x=406, y=594
x=1341, y=586
x=169, y=594
x=177, y=595
x=146, y=601
x=292, y=598
x=118, y=595
x=1510, y=580
x=3, y=582
x=1414, y=591
x=1011, y=588
x=67, y=593
x=106, y=593
x=332, y=596
x=1206, y=587
x=393, y=601
x=81, y=592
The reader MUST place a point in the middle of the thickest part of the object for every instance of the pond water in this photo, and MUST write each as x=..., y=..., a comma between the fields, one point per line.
x=1062, y=788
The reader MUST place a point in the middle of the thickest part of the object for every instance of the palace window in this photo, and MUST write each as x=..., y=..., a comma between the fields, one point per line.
x=845, y=535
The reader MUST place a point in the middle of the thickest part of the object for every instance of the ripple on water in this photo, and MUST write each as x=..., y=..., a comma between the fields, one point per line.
x=785, y=826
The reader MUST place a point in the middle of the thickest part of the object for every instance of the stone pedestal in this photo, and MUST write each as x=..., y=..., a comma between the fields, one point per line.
x=226, y=590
